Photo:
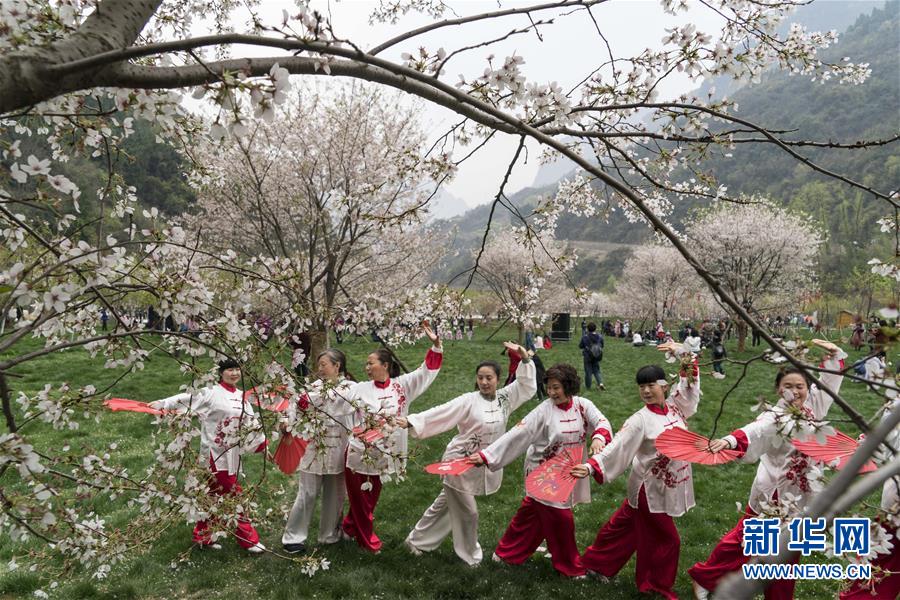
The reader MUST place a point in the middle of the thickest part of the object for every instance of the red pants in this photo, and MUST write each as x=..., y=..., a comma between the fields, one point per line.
x=535, y=522
x=652, y=535
x=220, y=484
x=360, y=520
x=728, y=556
x=884, y=589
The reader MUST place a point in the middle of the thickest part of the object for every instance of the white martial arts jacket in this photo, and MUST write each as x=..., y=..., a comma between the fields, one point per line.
x=546, y=431
x=782, y=468
x=228, y=425
x=668, y=483
x=331, y=414
x=390, y=398
x=480, y=421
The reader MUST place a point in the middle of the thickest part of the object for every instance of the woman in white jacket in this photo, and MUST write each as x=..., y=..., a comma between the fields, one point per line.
x=480, y=418
x=388, y=395
x=330, y=406
x=564, y=421
x=228, y=429
x=782, y=472
x=659, y=489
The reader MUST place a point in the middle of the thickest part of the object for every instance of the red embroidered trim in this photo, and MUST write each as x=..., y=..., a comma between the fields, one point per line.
x=742, y=442
x=598, y=472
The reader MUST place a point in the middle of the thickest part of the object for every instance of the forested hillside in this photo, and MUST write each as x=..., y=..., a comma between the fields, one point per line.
x=809, y=110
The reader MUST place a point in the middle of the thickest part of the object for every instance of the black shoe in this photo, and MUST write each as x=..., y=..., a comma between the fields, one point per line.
x=294, y=548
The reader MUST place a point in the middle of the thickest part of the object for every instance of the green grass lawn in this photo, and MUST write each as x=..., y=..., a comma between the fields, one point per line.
x=232, y=573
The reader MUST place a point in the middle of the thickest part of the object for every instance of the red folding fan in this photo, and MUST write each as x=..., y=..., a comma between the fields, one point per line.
x=289, y=452
x=838, y=447
x=368, y=435
x=552, y=481
x=277, y=400
x=681, y=444
x=131, y=406
x=456, y=466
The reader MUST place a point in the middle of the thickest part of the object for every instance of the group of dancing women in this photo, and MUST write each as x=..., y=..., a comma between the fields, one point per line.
x=340, y=465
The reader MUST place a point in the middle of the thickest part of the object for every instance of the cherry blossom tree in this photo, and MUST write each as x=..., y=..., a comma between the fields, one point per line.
x=523, y=277
x=656, y=284
x=763, y=256
x=335, y=184
x=76, y=72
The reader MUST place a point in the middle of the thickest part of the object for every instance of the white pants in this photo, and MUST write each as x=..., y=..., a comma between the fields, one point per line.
x=333, y=493
x=451, y=512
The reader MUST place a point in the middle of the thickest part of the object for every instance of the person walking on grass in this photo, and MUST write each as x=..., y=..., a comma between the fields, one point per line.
x=718, y=356
x=228, y=429
x=565, y=420
x=591, y=346
x=480, y=418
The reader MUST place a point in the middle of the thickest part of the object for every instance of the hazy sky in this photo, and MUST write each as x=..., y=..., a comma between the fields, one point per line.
x=569, y=50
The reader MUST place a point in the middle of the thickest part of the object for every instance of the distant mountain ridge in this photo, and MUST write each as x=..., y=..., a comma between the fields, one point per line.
x=821, y=112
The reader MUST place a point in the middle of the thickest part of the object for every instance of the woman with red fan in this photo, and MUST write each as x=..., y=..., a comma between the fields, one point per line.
x=481, y=418
x=329, y=406
x=228, y=429
x=387, y=394
x=782, y=471
x=659, y=488
x=559, y=424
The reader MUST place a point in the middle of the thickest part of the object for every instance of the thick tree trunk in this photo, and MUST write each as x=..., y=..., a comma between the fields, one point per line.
x=318, y=344
x=742, y=335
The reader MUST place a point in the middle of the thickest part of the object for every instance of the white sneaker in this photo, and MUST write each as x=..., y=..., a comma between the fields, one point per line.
x=412, y=549
x=257, y=548
x=210, y=546
x=541, y=548
x=700, y=592
x=497, y=559
x=598, y=576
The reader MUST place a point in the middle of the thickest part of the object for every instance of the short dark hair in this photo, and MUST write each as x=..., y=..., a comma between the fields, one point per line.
x=649, y=374
x=228, y=363
x=566, y=375
x=592, y=326
x=790, y=371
